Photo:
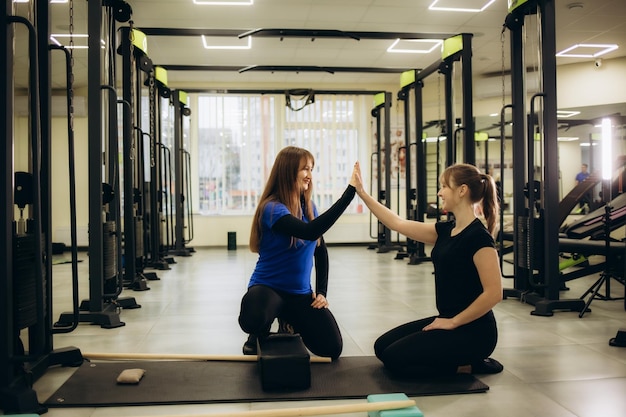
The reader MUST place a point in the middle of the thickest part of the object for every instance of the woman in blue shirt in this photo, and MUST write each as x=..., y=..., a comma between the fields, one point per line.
x=287, y=235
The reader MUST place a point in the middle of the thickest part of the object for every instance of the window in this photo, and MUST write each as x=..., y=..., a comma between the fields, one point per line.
x=240, y=135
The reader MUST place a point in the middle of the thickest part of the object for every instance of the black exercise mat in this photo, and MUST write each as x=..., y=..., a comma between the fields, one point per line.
x=203, y=382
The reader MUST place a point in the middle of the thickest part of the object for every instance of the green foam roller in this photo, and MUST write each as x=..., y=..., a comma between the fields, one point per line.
x=20, y=415
x=412, y=411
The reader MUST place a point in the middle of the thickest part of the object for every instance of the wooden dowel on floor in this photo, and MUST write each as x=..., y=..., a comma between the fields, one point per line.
x=311, y=411
x=182, y=356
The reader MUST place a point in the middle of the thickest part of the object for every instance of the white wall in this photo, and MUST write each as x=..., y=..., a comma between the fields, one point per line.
x=578, y=85
x=585, y=84
x=60, y=175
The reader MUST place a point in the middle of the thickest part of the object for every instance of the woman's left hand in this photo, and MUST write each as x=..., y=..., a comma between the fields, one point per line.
x=441, y=324
x=319, y=301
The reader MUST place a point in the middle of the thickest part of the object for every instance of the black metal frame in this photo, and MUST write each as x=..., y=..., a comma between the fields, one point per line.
x=133, y=173
x=180, y=181
x=383, y=130
x=445, y=66
x=540, y=230
x=167, y=202
x=101, y=307
x=607, y=272
x=19, y=369
x=155, y=256
x=415, y=197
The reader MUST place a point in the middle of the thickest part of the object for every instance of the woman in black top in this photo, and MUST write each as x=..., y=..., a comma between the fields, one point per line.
x=467, y=281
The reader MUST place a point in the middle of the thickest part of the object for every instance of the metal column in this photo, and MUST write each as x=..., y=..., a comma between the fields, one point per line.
x=179, y=181
x=106, y=316
x=131, y=146
x=469, y=144
x=417, y=194
x=383, y=178
x=19, y=367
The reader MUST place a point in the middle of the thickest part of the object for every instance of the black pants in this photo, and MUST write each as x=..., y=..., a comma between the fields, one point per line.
x=585, y=199
x=317, y=326
x=409, y=351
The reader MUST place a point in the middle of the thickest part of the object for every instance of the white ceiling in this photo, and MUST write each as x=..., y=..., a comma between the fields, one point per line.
x=597, y=21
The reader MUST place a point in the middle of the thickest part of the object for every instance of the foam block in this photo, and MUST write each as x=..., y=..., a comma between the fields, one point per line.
x=130, y=376
x=284, y=362
x=412, y=411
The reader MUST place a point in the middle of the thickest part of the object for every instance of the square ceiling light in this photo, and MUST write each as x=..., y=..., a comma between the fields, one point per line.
x=415, y=46
x=473, y=6
x=224, y=2
x=222, y=42
x=587, y=50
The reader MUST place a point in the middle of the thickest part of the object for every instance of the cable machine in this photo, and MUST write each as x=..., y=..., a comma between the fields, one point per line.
x=160, y=175
x=456, y=48
x=26, y=290
x=415, y=198
x=183, y=224
x=135, y=61
x=105, y=256
x=382, y=102
x=536, y=194
x=165, y=181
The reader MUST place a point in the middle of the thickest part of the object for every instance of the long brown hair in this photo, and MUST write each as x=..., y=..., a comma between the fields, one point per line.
x=481, y=187
x=282, y=187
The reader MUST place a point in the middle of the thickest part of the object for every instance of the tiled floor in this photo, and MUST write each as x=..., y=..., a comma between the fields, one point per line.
x=559, y=366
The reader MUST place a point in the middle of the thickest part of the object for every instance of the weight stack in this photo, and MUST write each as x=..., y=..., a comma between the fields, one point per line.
x=139, y=244
x=25, y=281
x=529, y=248
x=109, y=250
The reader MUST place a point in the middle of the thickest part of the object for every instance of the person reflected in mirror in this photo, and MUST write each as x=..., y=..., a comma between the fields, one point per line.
x=585, y=200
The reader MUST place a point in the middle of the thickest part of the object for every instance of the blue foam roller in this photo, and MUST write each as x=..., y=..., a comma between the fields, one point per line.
x=412, y=411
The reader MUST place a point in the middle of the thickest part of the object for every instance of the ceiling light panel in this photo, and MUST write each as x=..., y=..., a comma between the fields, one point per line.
x=415, y=46
x=472, y=6
x=564, y=114
x=224, y=2
x=222, y=42
x=587, y=50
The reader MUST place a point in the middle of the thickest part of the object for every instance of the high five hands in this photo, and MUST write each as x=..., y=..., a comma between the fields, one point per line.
x=356, y=180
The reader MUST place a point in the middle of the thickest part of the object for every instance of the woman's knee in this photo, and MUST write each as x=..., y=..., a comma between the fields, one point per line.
x=250, y=323
x=330, y=349
x=335, y=352
x=323, y=341
x=259, y=307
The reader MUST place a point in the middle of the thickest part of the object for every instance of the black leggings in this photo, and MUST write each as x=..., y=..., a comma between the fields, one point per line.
x=409, y=351
x=317, y=326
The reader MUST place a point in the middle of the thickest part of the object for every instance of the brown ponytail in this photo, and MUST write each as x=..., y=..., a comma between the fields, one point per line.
x=482, y=188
